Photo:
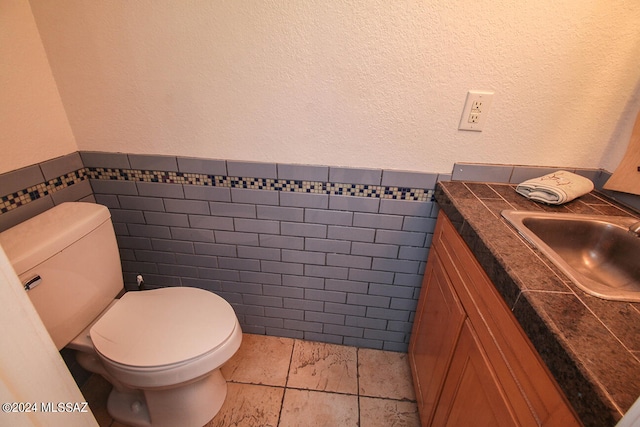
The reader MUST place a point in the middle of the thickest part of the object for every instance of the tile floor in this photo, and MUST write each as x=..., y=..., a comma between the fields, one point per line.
x=286, y=382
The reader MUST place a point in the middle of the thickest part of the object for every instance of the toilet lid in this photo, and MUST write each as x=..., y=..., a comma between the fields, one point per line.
x=163, y=326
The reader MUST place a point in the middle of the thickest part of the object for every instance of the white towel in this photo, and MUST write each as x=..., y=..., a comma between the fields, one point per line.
x=555, y=188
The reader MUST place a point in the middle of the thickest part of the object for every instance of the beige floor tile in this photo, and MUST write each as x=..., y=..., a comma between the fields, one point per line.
x=307, y=408
x=249, y=405
x=384, y=374
x=323, y=383
x=260, y=360
x=376, y=412
x=323, y=367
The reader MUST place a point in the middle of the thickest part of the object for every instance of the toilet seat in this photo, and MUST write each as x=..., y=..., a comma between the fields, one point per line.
x=165, y=336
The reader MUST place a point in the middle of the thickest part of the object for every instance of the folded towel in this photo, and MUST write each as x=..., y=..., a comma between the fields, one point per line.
x=555, y=188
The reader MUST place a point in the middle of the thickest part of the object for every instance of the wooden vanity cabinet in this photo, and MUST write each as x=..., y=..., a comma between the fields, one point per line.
x=471, y=362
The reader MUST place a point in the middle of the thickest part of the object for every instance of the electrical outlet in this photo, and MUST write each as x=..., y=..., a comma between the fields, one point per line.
x=476, y=109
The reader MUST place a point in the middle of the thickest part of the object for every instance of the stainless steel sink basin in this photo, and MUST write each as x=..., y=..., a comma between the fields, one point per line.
x=598, y=253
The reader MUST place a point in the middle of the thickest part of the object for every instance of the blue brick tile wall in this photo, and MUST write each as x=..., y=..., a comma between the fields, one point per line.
x=340, y=269
x=334, y=260
x=27, y=192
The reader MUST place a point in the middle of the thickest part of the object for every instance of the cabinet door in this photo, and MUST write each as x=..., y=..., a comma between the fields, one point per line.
x=531, y=390
x=471, y=362
x=438, y=322
x=472, y=395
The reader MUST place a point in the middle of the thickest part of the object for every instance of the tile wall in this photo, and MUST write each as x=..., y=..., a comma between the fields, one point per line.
x=31, y=190
x=320, y=253
x=312, y=252
x=513, y=174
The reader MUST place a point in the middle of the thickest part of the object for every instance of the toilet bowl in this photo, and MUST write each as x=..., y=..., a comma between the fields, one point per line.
x=162, y=349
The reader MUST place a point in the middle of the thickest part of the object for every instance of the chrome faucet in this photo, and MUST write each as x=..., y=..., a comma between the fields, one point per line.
x=635, y=228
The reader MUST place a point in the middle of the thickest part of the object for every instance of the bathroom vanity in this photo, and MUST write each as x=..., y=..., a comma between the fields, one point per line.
x=502, y=337
x=471, y=362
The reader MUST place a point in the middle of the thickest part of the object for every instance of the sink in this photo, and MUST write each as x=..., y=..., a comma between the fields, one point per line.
x=598, y=253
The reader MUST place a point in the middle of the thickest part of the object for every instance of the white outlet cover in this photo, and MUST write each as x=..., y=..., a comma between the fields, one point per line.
x=486, y=97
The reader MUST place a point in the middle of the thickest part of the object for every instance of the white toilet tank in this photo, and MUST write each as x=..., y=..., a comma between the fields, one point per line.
x=72, y=249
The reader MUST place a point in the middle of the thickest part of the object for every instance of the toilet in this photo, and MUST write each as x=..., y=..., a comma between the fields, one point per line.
x=161, y=349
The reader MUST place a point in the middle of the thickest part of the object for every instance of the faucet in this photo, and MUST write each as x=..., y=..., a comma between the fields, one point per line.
x=635, y=228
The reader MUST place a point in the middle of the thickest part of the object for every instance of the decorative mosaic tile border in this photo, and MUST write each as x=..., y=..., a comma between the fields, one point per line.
x=22, y=197
x=318, y=187
x=27, y=195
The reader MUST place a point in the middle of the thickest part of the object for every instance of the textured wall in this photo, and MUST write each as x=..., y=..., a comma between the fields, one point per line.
x=33, y=123
x=372, y=83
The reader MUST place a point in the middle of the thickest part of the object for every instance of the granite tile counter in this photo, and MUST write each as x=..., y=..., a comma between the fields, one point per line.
x=590, y=345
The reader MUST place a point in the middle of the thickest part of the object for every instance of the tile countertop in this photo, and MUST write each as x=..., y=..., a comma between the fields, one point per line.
x=590, y=345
